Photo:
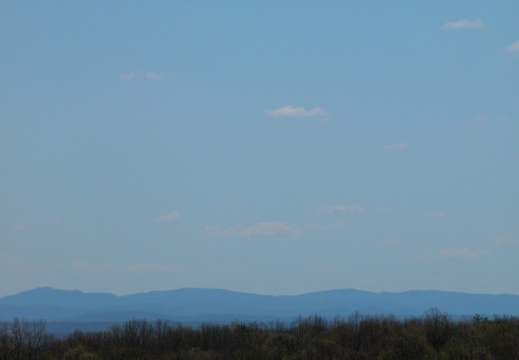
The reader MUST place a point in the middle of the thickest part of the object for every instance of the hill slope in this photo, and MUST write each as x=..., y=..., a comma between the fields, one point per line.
x=198, y=305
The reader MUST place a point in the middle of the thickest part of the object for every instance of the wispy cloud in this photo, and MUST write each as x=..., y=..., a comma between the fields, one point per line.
x=401, y=146
x=351, y=209
x=262, y=228
x=392, y=242
x=460, y=253
x=290, y=111
x=154, y=76
x=113, y=268
x=148, y=75
x=514, y=47
x=153, y=268
x=96, y=267
x=6, y=259
x=464, y=24
x=509, y=240
x=129, y=76
x=19, y=225
x=174, y=216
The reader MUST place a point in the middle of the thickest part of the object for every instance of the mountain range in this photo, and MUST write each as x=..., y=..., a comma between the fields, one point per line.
x=194, y=306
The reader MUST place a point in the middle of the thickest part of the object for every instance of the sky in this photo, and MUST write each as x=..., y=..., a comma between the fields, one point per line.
x=274, y=147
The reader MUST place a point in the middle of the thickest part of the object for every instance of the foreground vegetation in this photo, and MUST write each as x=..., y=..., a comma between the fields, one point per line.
x=433, y=336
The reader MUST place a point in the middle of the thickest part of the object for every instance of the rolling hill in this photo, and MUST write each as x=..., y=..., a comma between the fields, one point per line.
x=195, y=306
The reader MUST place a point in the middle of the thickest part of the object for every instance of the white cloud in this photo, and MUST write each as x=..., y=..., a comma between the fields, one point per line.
x=262, y=228
x=148, y=75
x=129, y=76
x=401, y=146
x=174, y=216
x=460, y=253
x=290, y=111
x=514, y=47
x=464, y=24
x=351, y=209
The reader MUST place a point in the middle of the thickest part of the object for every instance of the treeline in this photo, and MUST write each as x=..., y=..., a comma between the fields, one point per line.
x=433, y=336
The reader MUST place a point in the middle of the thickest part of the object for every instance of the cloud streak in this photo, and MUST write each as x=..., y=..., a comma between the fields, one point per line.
x=262, y=228
x=514, y=47
x=465, y=253
x=464, y=24
x=351, y=209
x=290, y=111
x=19, y=225
x=148, y=75
x=174, y=216
x=113, y=268
x=95, y=267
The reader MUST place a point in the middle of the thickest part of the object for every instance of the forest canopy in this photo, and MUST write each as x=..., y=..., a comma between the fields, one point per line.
x=432, y=336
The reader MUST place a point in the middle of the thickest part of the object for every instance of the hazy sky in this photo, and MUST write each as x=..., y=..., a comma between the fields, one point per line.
x=276, y=147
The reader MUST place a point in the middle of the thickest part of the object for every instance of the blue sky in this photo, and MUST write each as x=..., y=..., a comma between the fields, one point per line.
x=269, y=147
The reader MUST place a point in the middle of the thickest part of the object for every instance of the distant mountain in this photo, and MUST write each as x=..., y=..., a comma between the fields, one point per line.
x=66, y=298
x=194, y=306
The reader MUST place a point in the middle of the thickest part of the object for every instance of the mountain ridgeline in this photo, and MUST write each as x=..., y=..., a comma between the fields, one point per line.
x=215, y=305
